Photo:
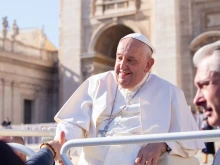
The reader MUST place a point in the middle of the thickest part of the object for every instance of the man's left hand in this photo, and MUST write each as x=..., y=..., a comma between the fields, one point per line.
x=150, y=154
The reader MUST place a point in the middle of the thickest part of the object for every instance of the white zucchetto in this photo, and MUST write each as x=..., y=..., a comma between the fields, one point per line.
x=139, y=37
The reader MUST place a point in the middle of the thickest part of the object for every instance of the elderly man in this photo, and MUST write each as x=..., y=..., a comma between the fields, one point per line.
x=126, y=102
x=207, y=81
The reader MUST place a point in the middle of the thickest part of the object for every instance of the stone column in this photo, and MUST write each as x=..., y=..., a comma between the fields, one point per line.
x=38, y=114
x=164, y=31
x=2, y=100
x=18, y=105
x=70, y=48
x=8, y=109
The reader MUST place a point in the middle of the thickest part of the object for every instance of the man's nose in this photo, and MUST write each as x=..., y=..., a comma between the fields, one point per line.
x=199, y=98
x=123, y=64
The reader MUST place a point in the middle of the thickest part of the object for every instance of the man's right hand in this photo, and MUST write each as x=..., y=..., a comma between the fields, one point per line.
x=56, y=145
x=150, y=154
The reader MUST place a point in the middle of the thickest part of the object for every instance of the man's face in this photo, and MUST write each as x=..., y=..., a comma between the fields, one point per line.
x=132, y=62
x=208, y=92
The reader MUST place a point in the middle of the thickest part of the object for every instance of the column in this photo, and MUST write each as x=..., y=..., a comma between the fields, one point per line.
x=2, y=100
x=70, y=48
x=8, y=108
x=165, y=39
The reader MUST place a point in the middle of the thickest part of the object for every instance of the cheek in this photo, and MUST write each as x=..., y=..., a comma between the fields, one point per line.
x=212, y=95
x=216, y=99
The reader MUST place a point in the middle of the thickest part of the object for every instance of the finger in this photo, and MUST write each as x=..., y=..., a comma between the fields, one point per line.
x=137, y=161
x=148, y=162
x=154, y=161
x=61, y=162
x=144, y=160
x=62, y=137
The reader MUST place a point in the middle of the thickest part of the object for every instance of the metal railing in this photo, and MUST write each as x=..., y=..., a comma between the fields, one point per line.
x=31, y=133
x=22, y=148
x=150, y=138
x=38, y=133
x=212, y=135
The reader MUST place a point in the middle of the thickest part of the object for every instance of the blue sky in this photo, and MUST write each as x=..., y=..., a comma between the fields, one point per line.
x=33, y=14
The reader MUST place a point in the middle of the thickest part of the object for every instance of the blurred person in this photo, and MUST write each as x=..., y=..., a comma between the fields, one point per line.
x=207, y=81
x=6, y=123
x=198, y=115
x=128, y=101
x=48, y=153
x=209, y=146
x=15, y=139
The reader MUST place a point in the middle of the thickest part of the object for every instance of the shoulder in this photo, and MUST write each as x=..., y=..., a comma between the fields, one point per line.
x=164, y=84
x=103, y=76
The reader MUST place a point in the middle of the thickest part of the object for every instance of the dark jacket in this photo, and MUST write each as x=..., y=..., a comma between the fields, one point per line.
x=8, y=157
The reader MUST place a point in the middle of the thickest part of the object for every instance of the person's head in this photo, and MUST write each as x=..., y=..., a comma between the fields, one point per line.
x=14, y=139
x=133, y=60
x=8, y=156
x=207, y=81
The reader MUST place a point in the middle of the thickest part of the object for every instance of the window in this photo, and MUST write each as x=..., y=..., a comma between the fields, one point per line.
x=28, y=110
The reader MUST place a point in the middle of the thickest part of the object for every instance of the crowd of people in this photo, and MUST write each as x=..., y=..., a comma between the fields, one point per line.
x=131, y=101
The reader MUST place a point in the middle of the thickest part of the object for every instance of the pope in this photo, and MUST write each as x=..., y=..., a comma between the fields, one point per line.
x=128, y=101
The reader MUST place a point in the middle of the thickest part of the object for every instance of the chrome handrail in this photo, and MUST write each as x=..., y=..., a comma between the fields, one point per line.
x=149, y=138
x=21, y=148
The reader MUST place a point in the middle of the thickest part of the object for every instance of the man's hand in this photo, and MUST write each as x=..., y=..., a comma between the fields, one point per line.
x=57, y=145
x=150, y=154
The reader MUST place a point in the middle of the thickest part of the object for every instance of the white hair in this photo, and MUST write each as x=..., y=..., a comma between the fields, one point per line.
x=210, y=51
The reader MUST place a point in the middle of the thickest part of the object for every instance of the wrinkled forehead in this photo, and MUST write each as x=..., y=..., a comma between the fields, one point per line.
x=202, y=72
x=131, y=41
x=131, y=44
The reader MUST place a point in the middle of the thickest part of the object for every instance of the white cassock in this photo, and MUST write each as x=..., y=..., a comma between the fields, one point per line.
x=153, y=106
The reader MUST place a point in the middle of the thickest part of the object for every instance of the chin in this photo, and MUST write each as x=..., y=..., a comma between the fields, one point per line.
x=214, y=121
x=123, y=86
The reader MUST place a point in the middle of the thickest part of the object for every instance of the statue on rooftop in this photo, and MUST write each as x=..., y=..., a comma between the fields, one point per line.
x=42, y=38
x=5, y=26
x=15, y=30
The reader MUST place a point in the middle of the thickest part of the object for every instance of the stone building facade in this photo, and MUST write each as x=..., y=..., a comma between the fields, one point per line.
x=90, y=31
x=31, y=88
x=28, y=76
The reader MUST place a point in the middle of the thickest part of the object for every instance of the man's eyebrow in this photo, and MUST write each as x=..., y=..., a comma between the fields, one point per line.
x=200, y=82
x=131, y=57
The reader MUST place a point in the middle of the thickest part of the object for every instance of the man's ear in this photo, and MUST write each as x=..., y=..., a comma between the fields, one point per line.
x=150, y=63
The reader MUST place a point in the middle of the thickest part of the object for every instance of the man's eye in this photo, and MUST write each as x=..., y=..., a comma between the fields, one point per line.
x=119, y=58
x=131, y=61
x=203, y=86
